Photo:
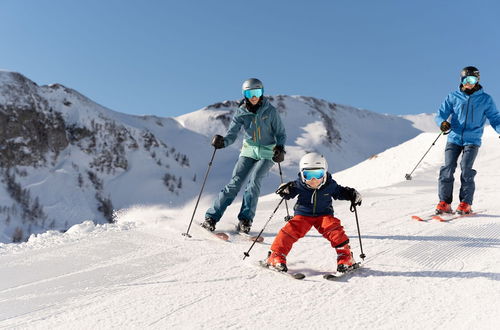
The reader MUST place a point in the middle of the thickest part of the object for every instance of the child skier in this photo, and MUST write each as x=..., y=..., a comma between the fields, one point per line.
x=315, y=189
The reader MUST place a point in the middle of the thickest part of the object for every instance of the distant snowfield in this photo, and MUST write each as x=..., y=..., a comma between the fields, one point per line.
x=142, y=273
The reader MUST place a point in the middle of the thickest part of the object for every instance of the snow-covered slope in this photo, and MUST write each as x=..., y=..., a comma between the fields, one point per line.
x=142, y=273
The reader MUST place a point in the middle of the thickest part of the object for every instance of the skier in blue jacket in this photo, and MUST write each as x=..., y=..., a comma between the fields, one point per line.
x=463, y=114
x=264, y=142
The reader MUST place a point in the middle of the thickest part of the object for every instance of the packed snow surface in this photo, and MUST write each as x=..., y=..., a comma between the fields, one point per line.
x=142, y=273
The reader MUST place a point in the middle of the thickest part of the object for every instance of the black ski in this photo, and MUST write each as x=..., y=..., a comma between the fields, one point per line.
x=337, y=275
x=297, y=276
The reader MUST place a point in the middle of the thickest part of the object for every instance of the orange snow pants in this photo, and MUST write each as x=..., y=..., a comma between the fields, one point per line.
x=299, y=225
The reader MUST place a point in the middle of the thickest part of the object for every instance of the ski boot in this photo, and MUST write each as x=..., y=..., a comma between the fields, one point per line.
x=345, y=260
x=277, y=261
x=209, y=224
x=244, y=226
x=443, y=207
x=464, y=208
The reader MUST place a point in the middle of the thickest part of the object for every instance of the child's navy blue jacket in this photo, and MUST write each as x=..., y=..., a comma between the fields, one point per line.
x=316, y=202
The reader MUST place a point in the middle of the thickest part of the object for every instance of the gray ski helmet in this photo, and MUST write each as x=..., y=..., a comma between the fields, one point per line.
x=469, y=71
x=252, y=83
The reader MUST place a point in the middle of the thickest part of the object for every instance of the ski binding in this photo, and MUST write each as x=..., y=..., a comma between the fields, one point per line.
x=339, y=274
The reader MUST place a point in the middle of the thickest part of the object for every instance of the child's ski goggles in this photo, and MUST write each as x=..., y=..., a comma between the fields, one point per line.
x=317, y=174
x=469, y=80
x=249, y=93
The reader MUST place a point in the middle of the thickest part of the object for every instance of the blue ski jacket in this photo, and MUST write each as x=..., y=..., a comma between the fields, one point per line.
x=263, y=130
x=468, y=116
x=317, y=202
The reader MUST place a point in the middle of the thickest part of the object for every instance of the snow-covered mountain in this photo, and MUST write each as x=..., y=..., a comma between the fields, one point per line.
x=65, y=159
x=345, y=135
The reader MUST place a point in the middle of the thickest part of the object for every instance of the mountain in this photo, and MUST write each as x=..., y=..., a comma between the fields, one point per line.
x=345, y=135
x=66, y=159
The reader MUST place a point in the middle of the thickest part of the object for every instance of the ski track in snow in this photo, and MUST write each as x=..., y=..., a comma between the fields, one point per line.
x=142, y=273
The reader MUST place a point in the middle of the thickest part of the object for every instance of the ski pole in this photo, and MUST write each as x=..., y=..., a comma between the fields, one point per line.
x=353, y=209
x=408, y=176
x=199, y=196
x=258, y=236
x=288, y=217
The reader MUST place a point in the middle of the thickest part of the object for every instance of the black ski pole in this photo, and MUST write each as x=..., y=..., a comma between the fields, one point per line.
x=408, y=176
x=288, y=217
x=247, y=254
x=353, y=209
x=199, y=196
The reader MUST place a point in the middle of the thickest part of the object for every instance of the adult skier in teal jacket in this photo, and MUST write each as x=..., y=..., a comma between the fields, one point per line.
x=463, y=114
x=264, y=141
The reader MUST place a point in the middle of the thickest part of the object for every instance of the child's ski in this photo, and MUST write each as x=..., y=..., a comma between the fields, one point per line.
x=337, y=275
x=297, y=276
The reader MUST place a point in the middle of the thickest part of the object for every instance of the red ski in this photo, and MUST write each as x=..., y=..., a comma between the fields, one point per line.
x=449, y=217
x=443, y=217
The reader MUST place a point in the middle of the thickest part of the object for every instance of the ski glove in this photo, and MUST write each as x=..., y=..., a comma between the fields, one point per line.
x=284, y=190
x=279, y=153
x=445, y=126
x=218, y=142
x=354, y=196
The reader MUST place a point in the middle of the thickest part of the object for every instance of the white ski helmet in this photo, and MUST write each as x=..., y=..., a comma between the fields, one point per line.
x=311, y=161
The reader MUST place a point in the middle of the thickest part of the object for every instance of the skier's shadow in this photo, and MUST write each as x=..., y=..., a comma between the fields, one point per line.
x=365, y=271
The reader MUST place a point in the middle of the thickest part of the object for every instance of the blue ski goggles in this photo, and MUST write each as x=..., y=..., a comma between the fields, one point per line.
x=249, y=93
x=469, y=80
x=316, y=174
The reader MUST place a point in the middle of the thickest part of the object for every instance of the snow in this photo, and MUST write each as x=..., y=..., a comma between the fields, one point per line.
x=142, y=273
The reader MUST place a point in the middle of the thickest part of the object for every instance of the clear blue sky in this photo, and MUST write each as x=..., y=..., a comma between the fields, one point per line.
x=172, y=57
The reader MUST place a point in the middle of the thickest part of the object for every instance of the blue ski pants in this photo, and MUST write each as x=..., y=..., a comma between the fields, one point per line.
x=446, y=178
x=246, y=168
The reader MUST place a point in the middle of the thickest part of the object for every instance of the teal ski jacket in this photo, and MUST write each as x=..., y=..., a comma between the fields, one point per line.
x=262, y=130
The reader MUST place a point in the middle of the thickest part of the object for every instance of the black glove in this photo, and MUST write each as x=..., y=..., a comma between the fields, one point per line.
x=445, y=126
x=354, y=196
x=218, y=142
x=284, y=190
x=279, y=153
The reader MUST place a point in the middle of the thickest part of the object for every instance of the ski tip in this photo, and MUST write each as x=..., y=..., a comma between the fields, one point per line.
x=329, y=277
x=259, y=239
x=298, y=276
x=222, y=236
x=438, y=218
x=417, y=218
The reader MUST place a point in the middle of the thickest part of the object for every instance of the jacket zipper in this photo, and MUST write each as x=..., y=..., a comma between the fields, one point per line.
x=314, y=201
x=254, y=131
x=466, y=116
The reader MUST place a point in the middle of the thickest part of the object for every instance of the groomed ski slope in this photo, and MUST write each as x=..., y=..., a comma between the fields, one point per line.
x=142, y=273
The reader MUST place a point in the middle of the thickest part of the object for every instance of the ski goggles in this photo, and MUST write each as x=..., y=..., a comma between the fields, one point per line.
x=249, y=93
x=316, y=174
x=469, y=80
